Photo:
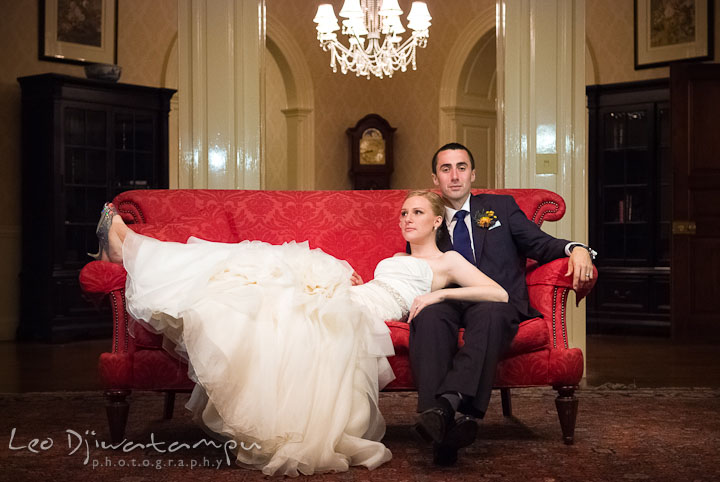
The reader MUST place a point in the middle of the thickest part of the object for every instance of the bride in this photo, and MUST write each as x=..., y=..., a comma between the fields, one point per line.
x=286, y=346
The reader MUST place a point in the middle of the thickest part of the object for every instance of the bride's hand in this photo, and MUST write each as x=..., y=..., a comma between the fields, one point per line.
x=356, y=279
x=422, y=301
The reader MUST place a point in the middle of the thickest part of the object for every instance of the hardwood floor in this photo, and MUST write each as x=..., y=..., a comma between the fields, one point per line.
x=43, y=367
x=651, y=362
x=639, y=361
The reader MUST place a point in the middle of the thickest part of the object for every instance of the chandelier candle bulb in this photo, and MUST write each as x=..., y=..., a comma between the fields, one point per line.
x=371, y=20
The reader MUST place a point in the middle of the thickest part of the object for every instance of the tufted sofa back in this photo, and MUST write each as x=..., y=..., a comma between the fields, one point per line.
x=358, y=226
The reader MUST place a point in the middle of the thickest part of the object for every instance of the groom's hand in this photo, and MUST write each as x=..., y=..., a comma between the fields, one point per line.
x=581, y=268
x=356, y=279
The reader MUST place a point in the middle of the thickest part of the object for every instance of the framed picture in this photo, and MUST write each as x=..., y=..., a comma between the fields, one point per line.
x=672, y=30
x=78, y=32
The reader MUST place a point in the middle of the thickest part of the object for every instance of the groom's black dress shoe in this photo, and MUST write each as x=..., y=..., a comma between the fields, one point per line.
x=461, y=434
x=434, y=423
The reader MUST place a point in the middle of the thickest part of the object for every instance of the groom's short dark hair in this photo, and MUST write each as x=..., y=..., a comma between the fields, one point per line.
x=452, y=146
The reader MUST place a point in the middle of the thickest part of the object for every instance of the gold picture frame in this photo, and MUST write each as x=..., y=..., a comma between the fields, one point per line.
x=78, y=32
x=672, y=30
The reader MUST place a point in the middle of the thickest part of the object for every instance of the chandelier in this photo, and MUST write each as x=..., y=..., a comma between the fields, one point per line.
x=369, y=20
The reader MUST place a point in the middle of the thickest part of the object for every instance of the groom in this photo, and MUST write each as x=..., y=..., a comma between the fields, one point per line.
x=491, y=232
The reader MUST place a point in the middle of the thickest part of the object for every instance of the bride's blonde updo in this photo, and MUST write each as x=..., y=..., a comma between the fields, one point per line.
x=436, y=202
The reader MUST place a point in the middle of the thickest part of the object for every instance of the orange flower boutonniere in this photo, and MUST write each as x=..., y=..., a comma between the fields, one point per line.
x=485, y=219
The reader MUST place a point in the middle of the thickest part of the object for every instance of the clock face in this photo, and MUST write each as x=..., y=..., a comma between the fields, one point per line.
x=372, y=147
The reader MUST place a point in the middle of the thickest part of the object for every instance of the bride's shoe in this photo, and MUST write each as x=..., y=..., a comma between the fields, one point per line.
x=103, y=230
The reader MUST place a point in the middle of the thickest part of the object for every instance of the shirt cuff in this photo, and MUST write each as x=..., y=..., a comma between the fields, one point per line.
x=570, y=245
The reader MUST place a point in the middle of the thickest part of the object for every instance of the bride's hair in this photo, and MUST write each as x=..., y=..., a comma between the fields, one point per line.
x=436, y=202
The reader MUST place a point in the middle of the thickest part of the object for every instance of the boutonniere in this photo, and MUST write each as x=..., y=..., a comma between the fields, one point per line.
x=486, y=219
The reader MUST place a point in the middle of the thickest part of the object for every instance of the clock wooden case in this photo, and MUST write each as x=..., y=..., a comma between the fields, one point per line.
x=371, y=153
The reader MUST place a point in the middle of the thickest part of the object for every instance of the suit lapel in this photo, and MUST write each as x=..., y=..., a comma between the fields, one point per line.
x=478, y=234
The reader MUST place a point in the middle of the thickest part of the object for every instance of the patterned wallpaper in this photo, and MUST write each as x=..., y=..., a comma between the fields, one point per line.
x=146, y=33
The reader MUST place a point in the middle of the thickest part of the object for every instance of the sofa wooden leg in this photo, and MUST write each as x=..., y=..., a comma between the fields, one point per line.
x=117, y=409
x=567, y=407
x=169, y=406
x=506, y=402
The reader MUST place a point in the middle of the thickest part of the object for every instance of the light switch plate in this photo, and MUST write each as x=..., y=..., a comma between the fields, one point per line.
x=546, y=163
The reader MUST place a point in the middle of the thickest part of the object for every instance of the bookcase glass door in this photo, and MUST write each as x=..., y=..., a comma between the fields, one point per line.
x=626, y=171
x=85, y=181
x=134, y=148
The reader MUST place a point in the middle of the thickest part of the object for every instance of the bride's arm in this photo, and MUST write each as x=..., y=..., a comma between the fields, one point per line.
x=474, y=285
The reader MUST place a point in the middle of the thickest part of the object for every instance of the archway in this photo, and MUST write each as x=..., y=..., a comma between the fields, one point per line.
x=468, y=106
x=299, y=162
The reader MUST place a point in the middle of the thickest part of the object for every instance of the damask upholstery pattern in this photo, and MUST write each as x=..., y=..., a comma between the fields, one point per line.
x=360, y=227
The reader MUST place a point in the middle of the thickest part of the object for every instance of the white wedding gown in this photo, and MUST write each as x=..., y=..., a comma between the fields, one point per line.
x=287, y=356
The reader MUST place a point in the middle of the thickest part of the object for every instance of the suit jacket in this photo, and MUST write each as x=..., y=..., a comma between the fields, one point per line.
x=502, y=252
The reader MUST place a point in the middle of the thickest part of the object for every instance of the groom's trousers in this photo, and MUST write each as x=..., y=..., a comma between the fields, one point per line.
x=439, y=366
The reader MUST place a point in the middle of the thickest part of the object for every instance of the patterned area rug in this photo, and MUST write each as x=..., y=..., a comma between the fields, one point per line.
x=623, y=433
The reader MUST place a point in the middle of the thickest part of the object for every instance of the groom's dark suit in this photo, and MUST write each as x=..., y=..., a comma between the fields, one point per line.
x=500, y=252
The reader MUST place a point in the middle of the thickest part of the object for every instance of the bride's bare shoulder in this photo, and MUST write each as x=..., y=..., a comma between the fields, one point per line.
x=451, y=256
x=400, y=254
x=452, y=260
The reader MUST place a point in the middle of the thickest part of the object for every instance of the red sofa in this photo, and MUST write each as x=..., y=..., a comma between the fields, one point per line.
x=358, y=226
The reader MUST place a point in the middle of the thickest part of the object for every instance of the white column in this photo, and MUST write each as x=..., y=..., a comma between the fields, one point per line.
x=221, y=44
x=541, y=66
x=301, y=171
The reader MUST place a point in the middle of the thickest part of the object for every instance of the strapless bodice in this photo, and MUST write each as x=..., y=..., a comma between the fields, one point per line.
x=408, y=276
x=397, y=282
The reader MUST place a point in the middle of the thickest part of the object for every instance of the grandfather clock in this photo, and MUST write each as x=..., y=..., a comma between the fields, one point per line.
x=371, y=153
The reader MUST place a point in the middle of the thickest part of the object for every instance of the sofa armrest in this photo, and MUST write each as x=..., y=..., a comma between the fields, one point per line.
x=548, y=289
x=553, y=274
x=99, y=279
x=102, y=277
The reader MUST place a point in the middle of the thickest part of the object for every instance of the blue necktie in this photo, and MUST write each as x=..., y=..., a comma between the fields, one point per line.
x=461, y=236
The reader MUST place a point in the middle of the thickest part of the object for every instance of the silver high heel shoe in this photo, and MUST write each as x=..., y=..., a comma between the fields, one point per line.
x=103, y=230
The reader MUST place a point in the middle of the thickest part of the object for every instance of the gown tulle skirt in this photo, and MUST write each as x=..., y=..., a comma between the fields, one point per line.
x=286, y=361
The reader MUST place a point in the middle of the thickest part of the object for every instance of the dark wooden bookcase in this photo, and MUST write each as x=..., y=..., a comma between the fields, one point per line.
x=83, y=142
x=630, y=206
